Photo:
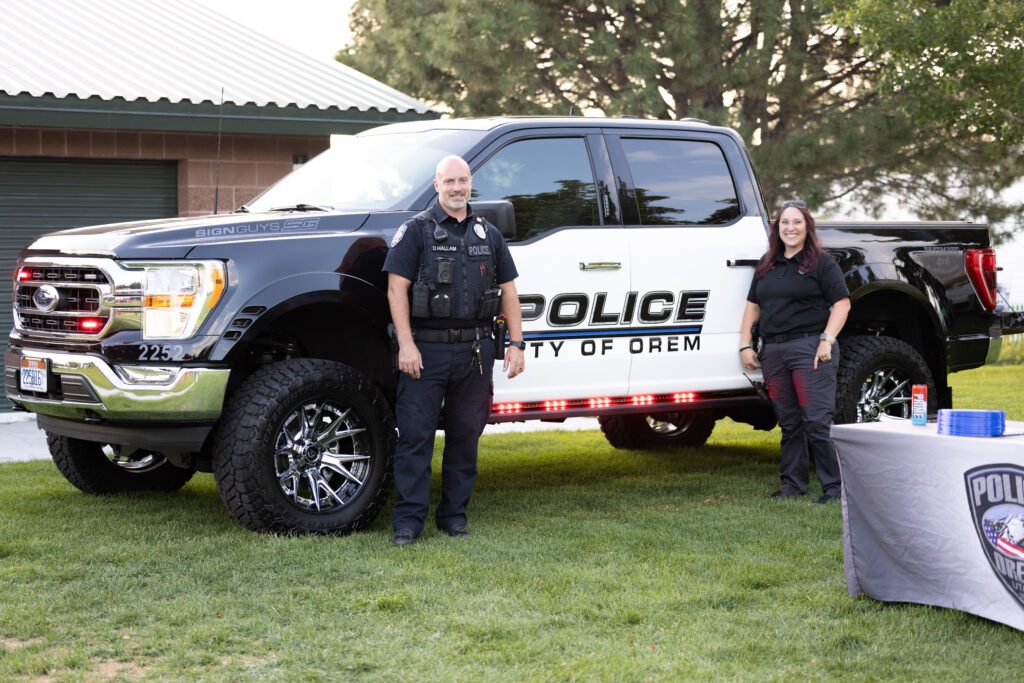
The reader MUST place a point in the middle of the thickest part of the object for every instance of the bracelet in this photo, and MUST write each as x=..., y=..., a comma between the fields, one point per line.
x=744, y=348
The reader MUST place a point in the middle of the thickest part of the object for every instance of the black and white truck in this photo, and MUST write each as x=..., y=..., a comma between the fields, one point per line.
x=253, y=345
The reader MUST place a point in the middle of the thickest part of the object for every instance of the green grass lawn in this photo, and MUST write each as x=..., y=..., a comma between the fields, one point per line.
x=588, y=563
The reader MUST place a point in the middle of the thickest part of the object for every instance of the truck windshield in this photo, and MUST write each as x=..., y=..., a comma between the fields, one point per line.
x=372, y=172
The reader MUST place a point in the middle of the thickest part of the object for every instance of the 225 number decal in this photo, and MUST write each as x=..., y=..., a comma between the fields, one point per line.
x=157, y=352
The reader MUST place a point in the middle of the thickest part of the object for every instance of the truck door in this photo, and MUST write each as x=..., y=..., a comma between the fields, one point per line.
x=572, y=258
x=694, y=238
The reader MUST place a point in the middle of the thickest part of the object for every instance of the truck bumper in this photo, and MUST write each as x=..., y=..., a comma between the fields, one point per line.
x=84, y=387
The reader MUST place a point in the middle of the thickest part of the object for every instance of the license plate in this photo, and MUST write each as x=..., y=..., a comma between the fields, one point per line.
x=33, y=374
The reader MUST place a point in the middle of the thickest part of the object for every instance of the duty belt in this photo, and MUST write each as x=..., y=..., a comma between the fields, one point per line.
x=779, y=338
x=451, y=336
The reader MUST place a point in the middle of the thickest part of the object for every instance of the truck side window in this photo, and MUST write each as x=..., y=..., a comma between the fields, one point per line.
x=548, y=180
x=681, y=182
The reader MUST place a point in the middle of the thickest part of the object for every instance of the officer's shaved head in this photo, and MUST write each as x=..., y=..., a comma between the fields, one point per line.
x=452, y=165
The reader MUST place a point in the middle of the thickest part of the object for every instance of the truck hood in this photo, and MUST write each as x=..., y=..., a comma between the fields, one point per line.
x=174, y=237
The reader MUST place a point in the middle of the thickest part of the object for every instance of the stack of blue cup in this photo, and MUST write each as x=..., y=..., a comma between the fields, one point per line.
x=972, y=422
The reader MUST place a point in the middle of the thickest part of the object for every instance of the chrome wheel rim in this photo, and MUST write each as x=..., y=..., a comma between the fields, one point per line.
x=136, y=462
x=672, y=424
x=321, y=456
x=884, y=395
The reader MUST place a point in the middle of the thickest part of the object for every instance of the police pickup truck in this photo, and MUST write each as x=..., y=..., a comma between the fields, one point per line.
x=253, y=345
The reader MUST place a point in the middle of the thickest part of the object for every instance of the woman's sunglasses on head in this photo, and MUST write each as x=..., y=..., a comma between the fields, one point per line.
x=794, y=202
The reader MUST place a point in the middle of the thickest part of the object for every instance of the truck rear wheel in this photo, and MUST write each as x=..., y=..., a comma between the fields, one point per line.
x=305, y=446
x=659, y=430
x=875, y=378
x=102, y=469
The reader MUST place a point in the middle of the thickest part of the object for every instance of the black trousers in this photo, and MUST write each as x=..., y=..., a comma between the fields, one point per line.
x=804, y=400
x=449, y=387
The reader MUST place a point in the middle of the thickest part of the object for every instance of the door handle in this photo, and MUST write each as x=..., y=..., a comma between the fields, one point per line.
x=742, y=262
x=601, y=265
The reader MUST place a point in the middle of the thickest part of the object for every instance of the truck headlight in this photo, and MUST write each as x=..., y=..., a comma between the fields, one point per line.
x=176, y=298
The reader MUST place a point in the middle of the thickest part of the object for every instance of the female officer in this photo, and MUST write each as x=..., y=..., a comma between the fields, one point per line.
x=799, y=298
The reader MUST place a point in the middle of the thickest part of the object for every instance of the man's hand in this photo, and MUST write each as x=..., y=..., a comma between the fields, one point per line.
x=409, y=360
x=823, y=354
x=515, y=363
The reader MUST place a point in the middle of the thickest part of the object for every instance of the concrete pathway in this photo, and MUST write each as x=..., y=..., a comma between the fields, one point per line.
x=21, y=440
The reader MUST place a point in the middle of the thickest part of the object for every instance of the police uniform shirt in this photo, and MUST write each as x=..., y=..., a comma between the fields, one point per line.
x=407, y=250
x=793, y=302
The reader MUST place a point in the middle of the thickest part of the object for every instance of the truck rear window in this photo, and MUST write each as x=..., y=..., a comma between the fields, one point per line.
x=681, y=182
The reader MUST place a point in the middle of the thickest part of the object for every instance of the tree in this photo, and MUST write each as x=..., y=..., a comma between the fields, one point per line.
x=957, y=62
x=800, y=89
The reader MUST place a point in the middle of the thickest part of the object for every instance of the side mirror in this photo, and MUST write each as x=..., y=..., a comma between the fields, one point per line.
x=501, y=213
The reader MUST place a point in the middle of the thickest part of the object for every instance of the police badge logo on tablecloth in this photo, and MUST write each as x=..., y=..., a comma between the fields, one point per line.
x=995, y=495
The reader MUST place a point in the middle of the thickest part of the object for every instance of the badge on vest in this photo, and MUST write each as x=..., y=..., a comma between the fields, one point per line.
x=479, y=229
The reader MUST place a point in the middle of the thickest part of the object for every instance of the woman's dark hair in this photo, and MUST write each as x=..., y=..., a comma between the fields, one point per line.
x=812, y=245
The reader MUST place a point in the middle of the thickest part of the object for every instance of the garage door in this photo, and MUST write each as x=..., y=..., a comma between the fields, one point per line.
x=42, y=195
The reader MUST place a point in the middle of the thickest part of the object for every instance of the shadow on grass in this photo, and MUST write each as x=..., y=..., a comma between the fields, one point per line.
x=553, y=473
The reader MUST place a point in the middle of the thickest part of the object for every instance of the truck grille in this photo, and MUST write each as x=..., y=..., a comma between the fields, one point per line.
x=71, y=297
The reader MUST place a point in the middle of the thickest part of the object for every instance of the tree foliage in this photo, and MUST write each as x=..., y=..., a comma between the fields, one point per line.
x=957, y=62
x=799, y=86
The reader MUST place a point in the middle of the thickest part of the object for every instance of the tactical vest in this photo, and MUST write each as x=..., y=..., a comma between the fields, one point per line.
x=457, y=277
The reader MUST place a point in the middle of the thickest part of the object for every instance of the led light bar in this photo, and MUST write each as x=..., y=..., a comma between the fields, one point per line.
x=595, y=403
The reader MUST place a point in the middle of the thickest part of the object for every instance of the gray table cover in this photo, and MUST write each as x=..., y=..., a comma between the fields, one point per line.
x=934, y=519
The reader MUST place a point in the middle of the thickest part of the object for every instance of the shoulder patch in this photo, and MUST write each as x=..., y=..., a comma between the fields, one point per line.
x=399, y=235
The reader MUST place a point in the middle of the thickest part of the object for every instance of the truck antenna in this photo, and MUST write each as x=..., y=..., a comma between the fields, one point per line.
x=220, y=120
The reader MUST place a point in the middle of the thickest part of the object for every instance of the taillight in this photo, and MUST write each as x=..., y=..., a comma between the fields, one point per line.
x=981, y=269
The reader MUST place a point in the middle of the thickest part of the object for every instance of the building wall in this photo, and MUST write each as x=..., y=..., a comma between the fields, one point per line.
x=248, y=163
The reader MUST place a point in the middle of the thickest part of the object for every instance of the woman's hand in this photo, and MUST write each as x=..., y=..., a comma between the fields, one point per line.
x=824, y=352
x=749, y=359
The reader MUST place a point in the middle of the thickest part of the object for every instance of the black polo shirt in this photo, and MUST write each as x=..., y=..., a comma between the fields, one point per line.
x=793, y=302
x=407, y=249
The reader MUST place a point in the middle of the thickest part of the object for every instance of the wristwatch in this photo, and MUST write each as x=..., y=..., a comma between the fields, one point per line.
x=520, y=344
x=824, y=337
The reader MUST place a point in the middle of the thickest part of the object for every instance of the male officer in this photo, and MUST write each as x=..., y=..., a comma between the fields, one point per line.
x=445, y=269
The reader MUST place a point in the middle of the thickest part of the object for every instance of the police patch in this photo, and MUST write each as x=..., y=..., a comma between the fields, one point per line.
x=995, y=495
x=398, y=235
x=480, y=230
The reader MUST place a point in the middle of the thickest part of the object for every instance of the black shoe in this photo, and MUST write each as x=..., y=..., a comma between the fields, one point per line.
x=404, y=537
x=457, y=531
x=784, y=493
x=829, y=497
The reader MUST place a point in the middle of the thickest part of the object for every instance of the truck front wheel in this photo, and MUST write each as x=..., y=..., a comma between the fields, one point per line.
x=659, y=430
x=102, y=469
x=876, y=375
x=305, y=446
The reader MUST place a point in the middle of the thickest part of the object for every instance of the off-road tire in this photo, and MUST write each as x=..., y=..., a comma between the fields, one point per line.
x=659, y=430
x=84, y=464
x=875, y=379
x=254, y=449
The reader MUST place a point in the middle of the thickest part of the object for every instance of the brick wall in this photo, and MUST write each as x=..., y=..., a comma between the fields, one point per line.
x=248, y=163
